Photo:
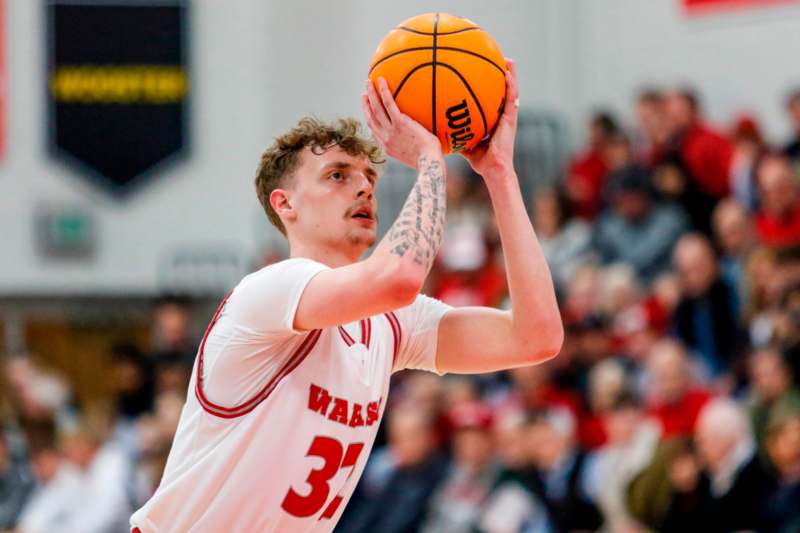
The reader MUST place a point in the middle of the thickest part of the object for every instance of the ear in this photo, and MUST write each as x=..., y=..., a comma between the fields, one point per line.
x=280, y=202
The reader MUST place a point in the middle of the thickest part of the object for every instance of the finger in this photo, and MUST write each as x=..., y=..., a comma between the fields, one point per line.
x=512, y=85
x=378, y=112
x=376, y=109
x=511, y=108
x=388, y=101
x=377, y=131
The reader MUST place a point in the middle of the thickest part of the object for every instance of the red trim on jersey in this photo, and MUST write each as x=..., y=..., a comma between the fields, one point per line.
x=242, y=409
x=398, y=333
x=366, y=333
x=348, y=340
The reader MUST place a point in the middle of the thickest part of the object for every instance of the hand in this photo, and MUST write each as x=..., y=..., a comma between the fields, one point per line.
x=401, y=137
x=495, y=158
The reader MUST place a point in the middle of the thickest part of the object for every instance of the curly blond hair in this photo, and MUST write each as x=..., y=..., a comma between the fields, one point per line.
x=280, y=160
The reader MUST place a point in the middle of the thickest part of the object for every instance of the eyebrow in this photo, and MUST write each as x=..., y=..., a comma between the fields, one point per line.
x=343, y=165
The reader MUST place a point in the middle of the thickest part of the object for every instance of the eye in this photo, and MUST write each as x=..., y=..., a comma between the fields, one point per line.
x=337, y=176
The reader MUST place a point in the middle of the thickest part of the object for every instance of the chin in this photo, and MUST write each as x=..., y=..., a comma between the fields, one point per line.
x=365, y=238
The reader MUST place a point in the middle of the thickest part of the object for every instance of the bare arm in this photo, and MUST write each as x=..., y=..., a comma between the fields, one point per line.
x=394, y=273
x=479, y=339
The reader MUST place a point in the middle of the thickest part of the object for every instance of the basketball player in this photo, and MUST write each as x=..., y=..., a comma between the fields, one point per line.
x=293, y=373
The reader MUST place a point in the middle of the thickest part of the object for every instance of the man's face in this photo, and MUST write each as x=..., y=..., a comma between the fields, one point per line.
x=411, y=438
x=679, y=112
x=332, y=199
x=651, y=119
x=697, y=267
x=670, y=376
x=784, y=446
x=768, y=375
x=713, y=447
x=778, y=188
x=472, y=448
x=631, y=205
x=731, y=227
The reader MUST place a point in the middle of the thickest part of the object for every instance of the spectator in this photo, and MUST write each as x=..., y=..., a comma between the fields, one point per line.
x=466, y=272
x=586, y=173
x=730, y=493
x=406, y=472
x=673, y=183
x=636, y=229
x=760, y=272
x=675, y=400
x=105, y=479
x=617, y=152
x=534, y=389
x=561, y=476
x=632, y=440
x=733, y=232
x=651, y=493
x=564, y=241
x=606, y=382
x=782, y=509
x=58, y=496
x=707, y=154
x=748, y=149
x=792, y=149
x=772, y=390
x=16, y=480
x=512, y=507
x=172, y=336
x=633, y=315
x=154, y=433
x=778, y=220
x=706, y=318
x=787, y=335
x=459, y=503
x=651, y=113
x=131, y=380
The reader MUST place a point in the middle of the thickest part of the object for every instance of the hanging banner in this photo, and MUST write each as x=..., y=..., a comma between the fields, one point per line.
x=118, y=86
x=701, y=7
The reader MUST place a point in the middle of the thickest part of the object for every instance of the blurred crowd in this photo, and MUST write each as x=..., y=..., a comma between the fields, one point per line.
x=673, y=405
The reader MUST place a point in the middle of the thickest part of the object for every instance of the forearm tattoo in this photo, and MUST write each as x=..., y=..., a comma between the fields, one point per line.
x=419, y=228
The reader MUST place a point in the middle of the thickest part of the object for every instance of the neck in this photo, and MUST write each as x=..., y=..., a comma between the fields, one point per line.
x=329, y=256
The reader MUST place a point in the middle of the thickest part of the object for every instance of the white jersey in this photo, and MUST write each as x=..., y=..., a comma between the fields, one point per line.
x=279, y=423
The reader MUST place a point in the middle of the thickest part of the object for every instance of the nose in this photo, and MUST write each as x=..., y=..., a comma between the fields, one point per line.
x=365, y=187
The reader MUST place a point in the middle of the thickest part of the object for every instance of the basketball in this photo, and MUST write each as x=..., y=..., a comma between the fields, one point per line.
x=446, y=73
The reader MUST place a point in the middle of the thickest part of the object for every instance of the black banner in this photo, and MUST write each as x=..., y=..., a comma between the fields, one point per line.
x=118, y=85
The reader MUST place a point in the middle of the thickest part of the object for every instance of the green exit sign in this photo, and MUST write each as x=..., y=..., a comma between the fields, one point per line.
x=65, y=232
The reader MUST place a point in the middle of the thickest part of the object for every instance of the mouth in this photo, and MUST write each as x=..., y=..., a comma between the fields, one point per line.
x=363, y=214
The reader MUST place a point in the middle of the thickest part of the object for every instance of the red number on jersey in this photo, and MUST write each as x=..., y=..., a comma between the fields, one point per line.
x=335, y=458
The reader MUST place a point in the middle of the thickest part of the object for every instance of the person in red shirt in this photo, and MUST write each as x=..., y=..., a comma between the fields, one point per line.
x=778, y=220
x=707, y=154
x=676, y=401
x=587, y=171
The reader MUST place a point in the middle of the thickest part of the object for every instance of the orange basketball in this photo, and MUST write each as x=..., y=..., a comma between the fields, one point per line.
x=446, y=73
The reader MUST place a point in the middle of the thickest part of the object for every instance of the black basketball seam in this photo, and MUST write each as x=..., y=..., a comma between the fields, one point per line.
x=387, y=57
x=472, y=94
x=433, y=77
x=448, y=48
x=463, y=51
x=411, y=30
x=408, y=75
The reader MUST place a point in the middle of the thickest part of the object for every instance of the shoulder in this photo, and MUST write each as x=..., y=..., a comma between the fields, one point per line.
x=287, y=267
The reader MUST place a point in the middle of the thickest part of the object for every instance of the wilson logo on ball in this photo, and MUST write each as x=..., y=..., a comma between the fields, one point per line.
x=458, y=121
